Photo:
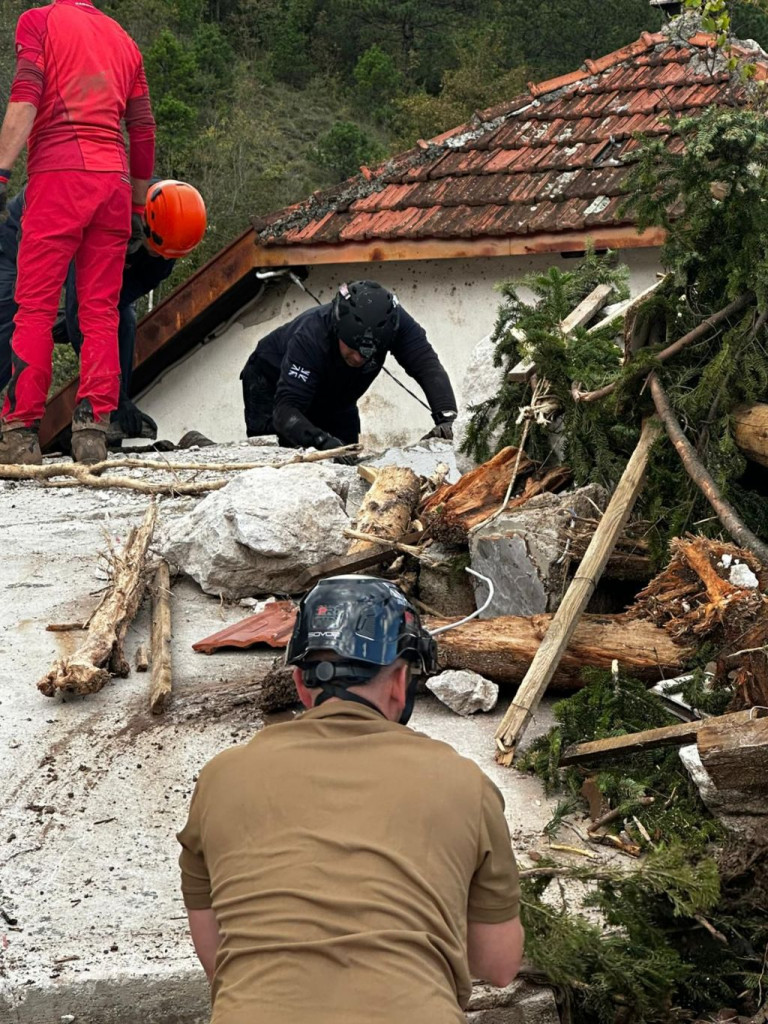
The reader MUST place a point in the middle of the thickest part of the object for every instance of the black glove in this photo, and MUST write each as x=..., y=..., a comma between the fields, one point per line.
x=132, y=421
x=137, y=233
x=327, y=441
x=443, y=428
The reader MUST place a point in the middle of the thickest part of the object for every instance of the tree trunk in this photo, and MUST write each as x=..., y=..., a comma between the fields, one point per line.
x=388, y=507
x=453, y=511
x=502, y=649
x=749, y=424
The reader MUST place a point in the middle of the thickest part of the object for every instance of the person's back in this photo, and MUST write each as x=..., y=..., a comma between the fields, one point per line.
x=339, y=852
x=92, y=69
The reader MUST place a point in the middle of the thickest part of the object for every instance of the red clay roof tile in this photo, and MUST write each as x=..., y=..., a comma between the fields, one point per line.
x=554, y=159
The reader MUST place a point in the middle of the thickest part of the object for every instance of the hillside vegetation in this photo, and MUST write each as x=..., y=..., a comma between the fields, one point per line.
x=260, y=102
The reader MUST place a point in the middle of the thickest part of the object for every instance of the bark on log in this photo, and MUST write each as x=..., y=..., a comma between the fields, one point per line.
x=162, y=679
x=388, y=507
x=736, y=758
x=454, y=511
x=87, y=671
x=749, y=424
x=502, y=649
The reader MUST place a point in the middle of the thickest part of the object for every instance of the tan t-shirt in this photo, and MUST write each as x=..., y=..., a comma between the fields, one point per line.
x=342, y=855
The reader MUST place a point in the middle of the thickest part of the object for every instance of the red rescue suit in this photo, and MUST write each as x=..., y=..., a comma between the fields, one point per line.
x=85, y=75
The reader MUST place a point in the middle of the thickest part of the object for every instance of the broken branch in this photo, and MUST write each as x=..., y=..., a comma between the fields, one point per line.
x=700, y=475
x=160, y=691
x=88, y=476
x=698, y=332
x=88, y=670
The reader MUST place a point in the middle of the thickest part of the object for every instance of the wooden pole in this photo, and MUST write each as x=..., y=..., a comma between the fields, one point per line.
x=697, y=471
x=161, y=680
x=582, y=587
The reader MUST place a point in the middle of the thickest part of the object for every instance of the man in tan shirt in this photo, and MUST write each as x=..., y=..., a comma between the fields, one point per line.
x=340, y=868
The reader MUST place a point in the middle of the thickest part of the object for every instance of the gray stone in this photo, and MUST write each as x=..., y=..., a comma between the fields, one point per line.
x=519, y=1003
x=443, y=584
x=481, y=381
x=423, y=458
x=464, y=692
x=259, y=534
x=524, y=551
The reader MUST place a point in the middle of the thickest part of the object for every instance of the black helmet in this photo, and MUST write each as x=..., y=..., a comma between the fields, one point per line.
x=366, y=317
x=367, y=623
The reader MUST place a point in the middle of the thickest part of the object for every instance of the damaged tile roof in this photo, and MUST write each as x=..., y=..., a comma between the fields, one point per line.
x=554, y=160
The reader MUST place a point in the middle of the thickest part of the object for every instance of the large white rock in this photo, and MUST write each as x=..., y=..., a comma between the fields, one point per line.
x=464, y=692
x=258, y=534
x=481, y=381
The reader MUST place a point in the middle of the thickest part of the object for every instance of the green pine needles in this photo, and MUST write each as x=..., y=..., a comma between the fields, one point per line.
x=648, y=957
x=707, y=189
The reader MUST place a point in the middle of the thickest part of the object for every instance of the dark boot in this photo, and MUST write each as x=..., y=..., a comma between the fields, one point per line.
x=19, y=445
x=89, y=438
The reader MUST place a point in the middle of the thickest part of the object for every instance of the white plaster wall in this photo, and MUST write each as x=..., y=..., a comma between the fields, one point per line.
x=454, y=300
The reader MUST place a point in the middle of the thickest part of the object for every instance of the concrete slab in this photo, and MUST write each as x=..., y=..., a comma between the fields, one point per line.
x=93, y=790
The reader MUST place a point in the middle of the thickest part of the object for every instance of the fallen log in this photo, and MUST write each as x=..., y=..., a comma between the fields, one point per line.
x=735, y=758
x=649, y=739
x=565, y=621
x=698, y=473
x=101, y=653
x=162, y=678
x=387, y=508
x=502, y=649
x=749, y=425
x=455, y=510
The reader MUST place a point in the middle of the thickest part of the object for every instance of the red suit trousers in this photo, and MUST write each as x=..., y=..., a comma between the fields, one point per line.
x=83, y=216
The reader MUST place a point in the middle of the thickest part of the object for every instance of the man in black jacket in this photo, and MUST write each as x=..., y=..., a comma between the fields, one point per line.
x=303, y=380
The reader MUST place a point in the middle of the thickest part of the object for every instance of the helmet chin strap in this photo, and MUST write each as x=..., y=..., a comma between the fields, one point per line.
x=323, y=673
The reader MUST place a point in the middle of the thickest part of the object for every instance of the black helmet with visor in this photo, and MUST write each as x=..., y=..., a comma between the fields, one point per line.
x=366, y=623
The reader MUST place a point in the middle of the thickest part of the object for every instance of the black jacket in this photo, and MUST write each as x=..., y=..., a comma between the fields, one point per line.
x=314, y=383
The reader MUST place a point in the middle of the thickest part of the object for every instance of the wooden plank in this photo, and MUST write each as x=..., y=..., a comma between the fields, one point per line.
x=582, y=587
x=161, y=678
x=736, y=758
x=582, y=314
x=649, y=739
x=376, y=250
x=346, y=564
x=586, y=309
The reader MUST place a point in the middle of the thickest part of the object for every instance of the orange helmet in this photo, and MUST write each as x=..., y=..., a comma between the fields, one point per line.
x=174, y=218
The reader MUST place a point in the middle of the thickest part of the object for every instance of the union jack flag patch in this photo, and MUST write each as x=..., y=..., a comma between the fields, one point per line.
x=300, y=372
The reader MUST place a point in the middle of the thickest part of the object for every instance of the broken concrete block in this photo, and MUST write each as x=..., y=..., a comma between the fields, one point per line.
x=524, y=551
x=258, y=534
x=423, y=458
x=481, y=381
x=464, y=692
x=518, y=1003
x=443, y=583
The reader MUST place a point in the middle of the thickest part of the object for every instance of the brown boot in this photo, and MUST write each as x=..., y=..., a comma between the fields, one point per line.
x=89, y=442
x=19, y=445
